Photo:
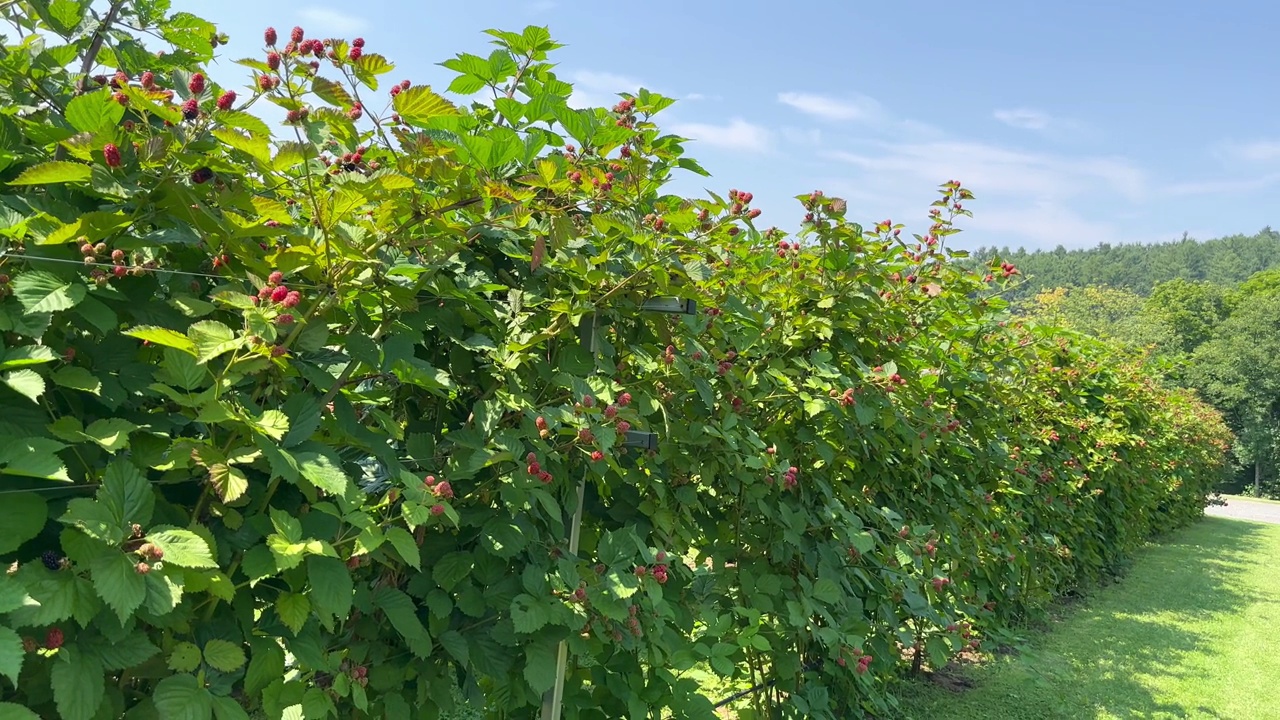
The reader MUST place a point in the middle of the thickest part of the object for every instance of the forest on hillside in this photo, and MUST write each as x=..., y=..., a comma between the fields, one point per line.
x=1207, y=312
x=1139, y=268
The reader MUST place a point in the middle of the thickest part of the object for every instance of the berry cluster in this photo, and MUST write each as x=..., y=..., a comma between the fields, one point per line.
x=535, y=469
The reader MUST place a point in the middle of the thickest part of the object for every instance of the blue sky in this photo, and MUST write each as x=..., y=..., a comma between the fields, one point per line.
x=1073, y=122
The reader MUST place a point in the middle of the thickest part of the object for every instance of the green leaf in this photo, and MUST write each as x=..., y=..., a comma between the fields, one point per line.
x=185, y=657
x=164, y=337
x=229, y=482
x=212, y=338
x=112, y=434
x=826, y=590
x=183, y=548
x=223, y=655
x=254, y=146
x=273, y=423
x=32, y=457
x=449, y=570
x=293, y=609
x=78, y=687
x=226, y=708
x=331, y=586
x=128, y=495
x=22, y=517
x=94, y=112
x=56, y=171
x=126, y=652
x=405, y=546
x=402, y=612
x=419, y=104
x=266, y=665
x=331, y=92
x=118, y=583
x=40, y=291
x=529, y=614
x=75, y=377
x=540, y=665
x=25, y=356
x=11, y=654
x=180, y=697
x=319, y=466
x=27, y=383
x=9, y=711
x=456, y=645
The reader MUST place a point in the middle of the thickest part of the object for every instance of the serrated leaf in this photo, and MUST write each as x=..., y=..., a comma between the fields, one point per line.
x=128, y=495
x=53, y=172
x=529, y=614
x=826, y=590
x=181, y=697
x=211, y=339
x=332, y=588
x=25, y=356
x=331, y=92
x=401, y=611
x=405, y=546
x=27, y=383
x=245, y=121
x=185, y=657
x=75, y=377
x=321, y=468
x=223, y=655
x=273, y=423
x=118, y=583
x=10, y=711
x=11, y=654
x=111, y=433
x=183, y=548
x=226, y=708
x=22, y=517
x=43, y=292
x=254, y=146
x=419, y=104
x=163, y=336
x=94, y=112
x=450, y=569
x=78, y=687
x=228, y=482
x=540, y=666
x=126, y=652
x=293, y=609
x=266, y=665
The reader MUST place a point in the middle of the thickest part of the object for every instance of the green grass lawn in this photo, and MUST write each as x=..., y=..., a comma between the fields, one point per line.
x=1193, y=631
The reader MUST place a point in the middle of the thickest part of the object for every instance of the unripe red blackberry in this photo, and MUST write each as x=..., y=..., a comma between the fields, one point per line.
x=358, y=42
x=196, y=84
x=355, y=54
x=111, y=155
x=269, y=36
x=191, y=109
x=273, y=60
x=148, y=80
x=226, y=100
x=296, y=35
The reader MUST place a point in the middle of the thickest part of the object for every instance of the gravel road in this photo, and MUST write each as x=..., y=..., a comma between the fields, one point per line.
x=1243, y=509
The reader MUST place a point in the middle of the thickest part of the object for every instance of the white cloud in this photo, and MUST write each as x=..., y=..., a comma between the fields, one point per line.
x=1259, y=151
x=599, y=89
x=990, y=169
x=1023, y=118
x=1221, y=187
x=828, y=108
x=738, y=134
x=323, y=21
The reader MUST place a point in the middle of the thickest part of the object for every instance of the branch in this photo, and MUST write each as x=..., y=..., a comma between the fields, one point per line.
x=99, y=36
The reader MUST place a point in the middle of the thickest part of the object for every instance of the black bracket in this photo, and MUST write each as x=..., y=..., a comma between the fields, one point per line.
x=642, y=440
x=672, y=305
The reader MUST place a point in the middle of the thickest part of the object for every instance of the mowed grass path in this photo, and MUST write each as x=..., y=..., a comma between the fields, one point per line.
x=1192, y=631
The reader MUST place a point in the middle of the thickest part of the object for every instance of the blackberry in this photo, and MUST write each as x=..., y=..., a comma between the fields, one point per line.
x=51, y=560
x=202, y=175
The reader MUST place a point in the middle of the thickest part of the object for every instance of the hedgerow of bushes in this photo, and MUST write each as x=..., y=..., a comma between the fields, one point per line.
x=296, y=420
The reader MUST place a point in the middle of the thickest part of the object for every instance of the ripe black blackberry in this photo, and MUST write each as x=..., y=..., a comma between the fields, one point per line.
x=51, y=560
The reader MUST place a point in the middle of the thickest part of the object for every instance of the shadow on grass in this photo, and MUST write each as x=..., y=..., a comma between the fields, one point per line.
x=1092, y=661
